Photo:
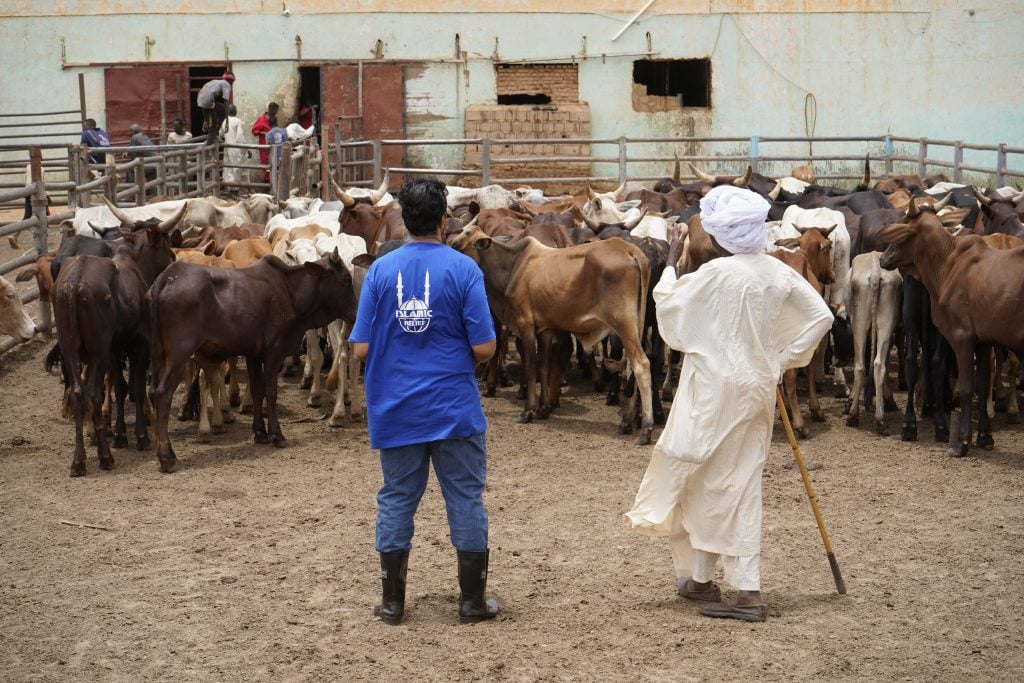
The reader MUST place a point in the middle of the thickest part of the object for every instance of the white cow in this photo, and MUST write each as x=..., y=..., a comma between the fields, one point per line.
x=325, y=219
x=14, y=321
x=874, y=308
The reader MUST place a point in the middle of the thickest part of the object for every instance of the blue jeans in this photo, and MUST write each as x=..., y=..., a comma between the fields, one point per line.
x=460, y=465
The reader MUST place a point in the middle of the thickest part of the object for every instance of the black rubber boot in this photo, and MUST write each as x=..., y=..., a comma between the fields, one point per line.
x=392, y=579
x=474, y=606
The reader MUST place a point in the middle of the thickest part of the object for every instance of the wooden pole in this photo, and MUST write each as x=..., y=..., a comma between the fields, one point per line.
x=325, y=172
x=39, y=211
x=163, y=112
x=73, y=171
x=81, y=97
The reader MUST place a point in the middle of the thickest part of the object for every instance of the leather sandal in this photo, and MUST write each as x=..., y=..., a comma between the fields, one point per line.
x=725, y=610
x=712, y=594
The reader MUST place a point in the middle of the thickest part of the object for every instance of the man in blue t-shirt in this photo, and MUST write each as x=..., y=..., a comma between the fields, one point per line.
x=94, y=136
x=422, y=327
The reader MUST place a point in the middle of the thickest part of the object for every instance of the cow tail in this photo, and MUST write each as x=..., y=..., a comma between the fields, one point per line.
x=70, y=353
x=156, y=341
x=641, y=296
x=875, y=280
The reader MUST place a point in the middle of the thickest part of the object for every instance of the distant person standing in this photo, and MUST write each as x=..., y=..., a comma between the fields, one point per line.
x=276, y=136
x=260, y=130
x=213, y=100
x=140, y=139
x=94, y=136
x=234, y=134
x=178, y=133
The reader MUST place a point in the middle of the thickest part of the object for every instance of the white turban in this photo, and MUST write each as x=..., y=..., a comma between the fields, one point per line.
x=735, y=218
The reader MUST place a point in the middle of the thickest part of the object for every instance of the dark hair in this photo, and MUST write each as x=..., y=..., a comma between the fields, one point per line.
x=273, y=105
x=232, y=110
x=423, y=205
x=90, y=123
x=272, y=120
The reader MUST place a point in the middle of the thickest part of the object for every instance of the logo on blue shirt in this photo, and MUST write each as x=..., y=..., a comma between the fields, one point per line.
x=413, y=314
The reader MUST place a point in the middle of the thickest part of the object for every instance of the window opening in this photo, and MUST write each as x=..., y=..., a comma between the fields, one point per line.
x=687, y=79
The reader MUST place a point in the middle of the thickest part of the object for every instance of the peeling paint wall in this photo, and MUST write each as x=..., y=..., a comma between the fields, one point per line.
x=863, y=67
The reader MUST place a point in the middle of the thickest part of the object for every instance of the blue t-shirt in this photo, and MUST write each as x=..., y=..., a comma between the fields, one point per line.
x=421, y=308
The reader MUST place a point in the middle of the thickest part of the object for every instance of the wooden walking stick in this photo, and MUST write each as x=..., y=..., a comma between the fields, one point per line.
x=836, y=574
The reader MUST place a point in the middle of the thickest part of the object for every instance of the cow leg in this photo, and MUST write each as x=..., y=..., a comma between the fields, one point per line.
x=1012, y=368
x=861, y=329
x=984, y=355
x=205, y=389
x=257, y=392
x=528, y=355
x=97, y=392
x=271, y=371
x=614, y=367
x=793, y=403
x=234, y=392
x=77, y=402
x=190, y=405
x=939, y=365
x=108, y=390
x=964, y=350
x=137, y=366
x=546, y=342
x=642, y=372
x=217, y=398
x=813, y=404
x=120, y=396
x=314, y=364
x=672, y=358
x=883, y=340
x=355, y=407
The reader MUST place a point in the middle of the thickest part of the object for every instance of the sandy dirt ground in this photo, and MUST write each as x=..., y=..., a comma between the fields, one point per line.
x=253, y=563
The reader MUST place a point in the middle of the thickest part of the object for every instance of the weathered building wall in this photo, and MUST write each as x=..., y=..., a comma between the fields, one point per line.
x=863, y=67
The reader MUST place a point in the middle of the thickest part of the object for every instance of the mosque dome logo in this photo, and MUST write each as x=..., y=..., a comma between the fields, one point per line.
x=414, y=314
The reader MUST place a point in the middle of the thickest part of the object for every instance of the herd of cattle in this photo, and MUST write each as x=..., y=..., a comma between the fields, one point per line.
x=177, y=290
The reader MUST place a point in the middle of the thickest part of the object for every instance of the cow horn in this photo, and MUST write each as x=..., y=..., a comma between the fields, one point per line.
x=635, y=223
x=912, y=209
x=1017, y=197
x=590, y=192
x=525, y=206
x=981, y=197
x=593, y=225
x=166, y=225
x=744, y=180
x=701, y=175
x=119, y=214
x=335, y=256
x=867, y=173
x=941, y=204
x=345, y=200
x=472, y=223
x=774, y=194
x=382, y=190
x=619, y=190
x=675, y=171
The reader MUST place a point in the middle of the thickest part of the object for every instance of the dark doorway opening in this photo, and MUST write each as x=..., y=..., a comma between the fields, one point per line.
x=198, y=76
x=687, y=79
x=522, y=98
x=308, y=106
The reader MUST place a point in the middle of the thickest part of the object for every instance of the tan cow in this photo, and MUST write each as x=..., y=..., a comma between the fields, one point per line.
x=591, y=290
x=14, y=321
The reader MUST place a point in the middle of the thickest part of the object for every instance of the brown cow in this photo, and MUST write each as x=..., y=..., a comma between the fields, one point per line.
x=975, y=299
x=361, y=217
x=100, y=309
x=40, y=270
x=590, y=290
x=247, y=252
x=813, y=260
x=260, y=312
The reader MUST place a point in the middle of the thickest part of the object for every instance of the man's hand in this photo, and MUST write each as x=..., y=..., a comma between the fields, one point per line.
x=675, y=251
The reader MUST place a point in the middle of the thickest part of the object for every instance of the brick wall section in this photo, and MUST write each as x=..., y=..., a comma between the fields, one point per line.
x=530, y=122
x=560, y=82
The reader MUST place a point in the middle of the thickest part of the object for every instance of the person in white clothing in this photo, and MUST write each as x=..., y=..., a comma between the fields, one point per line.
x=233, y=133
x=741, y=321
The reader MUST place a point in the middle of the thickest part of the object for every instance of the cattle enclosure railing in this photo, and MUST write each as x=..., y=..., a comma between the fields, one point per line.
x=67, y=176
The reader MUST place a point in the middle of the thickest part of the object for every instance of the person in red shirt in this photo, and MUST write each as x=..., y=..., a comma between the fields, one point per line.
x=260, y=130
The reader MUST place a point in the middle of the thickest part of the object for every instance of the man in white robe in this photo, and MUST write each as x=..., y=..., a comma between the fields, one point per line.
x=741, y=321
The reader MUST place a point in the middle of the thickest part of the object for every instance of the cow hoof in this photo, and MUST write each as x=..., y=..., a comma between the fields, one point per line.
x=958, y=451
x=235, y=401
x=142, y=443
x=645, y=437
x=626, y=428
x=313, y=402
x=818, y=417
x=490, y=391
x=280, y=442
x=168, y=467
x=985, y=441
x=261, y=437
x=107, y=464
x=908, y=433
x=1012, y=418
x=853, y=421
x=525, y=417
x=841, y=392
x=846, y=408
x=543, y=413
x=880, y=429
x=306, y=383
x=802, y=432
x=203, y=437
x=611, y=400
x=120, y=441
x=78, y=469
x=890, y=405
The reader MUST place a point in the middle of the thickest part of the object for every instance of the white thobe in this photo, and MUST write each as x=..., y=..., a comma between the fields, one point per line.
x=234, y=134
x=741, y=321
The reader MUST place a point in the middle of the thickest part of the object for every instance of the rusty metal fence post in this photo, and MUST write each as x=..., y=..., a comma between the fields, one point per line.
x=39, y=233
x=922, y=158
x=958, y=162
x=377, y=171
x=623, y=170
x=485, y=163
x=1001, y=165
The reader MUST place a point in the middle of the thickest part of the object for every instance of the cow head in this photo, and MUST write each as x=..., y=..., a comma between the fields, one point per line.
x=714, y=181
x=334, y=285
x=151, y=248
x=348, y=201
x=14, y=321
x=817, y=248
x=130, y=224
x=904, y=239
x=471, y=236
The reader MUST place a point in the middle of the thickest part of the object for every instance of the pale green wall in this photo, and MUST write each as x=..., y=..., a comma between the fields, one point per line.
x=946, y=73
